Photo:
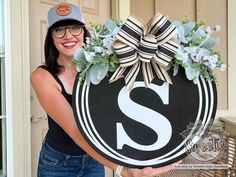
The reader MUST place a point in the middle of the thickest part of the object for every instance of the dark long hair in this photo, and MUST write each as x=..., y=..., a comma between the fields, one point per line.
x=50, y=51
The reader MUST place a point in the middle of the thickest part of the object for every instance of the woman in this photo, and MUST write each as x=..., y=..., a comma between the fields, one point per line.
x=65, y=152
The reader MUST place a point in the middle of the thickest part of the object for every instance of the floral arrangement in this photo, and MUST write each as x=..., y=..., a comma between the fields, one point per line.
x=196, y=54
x=97, y=57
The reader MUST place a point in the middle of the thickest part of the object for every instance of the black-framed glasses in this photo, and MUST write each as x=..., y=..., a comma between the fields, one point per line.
x=75, y=30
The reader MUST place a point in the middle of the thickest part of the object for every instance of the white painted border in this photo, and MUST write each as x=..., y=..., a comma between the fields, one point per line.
x=17, y=88
x=231, y=111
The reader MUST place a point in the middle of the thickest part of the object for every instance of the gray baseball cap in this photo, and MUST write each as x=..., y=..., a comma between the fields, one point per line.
x=64, y=11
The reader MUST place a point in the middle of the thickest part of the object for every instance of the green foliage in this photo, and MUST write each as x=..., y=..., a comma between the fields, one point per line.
x=97, y=56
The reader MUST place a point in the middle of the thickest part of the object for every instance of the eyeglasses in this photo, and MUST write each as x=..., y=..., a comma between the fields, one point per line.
x=60, y=32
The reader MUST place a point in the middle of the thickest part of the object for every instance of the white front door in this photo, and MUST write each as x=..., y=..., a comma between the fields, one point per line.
x=96, y=11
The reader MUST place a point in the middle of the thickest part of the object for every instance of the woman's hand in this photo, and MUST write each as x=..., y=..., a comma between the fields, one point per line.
x=148, y=171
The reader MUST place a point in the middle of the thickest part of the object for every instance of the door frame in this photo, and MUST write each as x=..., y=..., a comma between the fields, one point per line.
x=17, y=88
x=231, y=110
x=120, y=9
x=18, y=83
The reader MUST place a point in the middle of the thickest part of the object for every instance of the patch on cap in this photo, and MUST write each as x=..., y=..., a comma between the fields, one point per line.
x=63, y=9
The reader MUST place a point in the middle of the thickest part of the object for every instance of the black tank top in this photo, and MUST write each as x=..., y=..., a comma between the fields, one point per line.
x=56, y=137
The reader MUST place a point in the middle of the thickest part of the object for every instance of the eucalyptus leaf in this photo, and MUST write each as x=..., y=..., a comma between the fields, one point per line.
x=79, y=68
x=181, y=35
x=87, y=79
x=188, y=27
x=190, y=73
x=176, y=69
x=111, y=68
x=98, y=72
x=110, y=25
x=79, y=54
x=177, y=23
x=196, y=80
x=200, y=33
x=210, y=43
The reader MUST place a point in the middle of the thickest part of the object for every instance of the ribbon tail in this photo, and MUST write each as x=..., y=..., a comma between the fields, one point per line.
x=117, y=74
x=161, y=73
x=131, y=76
x=147, y=73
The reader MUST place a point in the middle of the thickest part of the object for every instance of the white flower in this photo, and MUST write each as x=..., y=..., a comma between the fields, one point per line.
x=109, y=51
x=217, y=28
x=213, y=61
x=201, y=54
x=107, y=42
x=89, y=55
x=208, y=30
x=222, y=67
x=88, y=40
x=98, y=49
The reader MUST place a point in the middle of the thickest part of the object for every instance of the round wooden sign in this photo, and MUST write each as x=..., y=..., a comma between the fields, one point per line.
x=145, y=126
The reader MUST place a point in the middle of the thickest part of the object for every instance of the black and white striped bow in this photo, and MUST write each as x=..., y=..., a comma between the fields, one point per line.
x=150, y=46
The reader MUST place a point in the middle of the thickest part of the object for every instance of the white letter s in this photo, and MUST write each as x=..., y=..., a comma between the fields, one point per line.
x=156, y=121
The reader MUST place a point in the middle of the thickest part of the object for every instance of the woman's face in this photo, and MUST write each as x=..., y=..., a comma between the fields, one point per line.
x=67, y=39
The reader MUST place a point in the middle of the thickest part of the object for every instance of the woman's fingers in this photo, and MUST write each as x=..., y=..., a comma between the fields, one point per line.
x=166, y=168
x=151, y=172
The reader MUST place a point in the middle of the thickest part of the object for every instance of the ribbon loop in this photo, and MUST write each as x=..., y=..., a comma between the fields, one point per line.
x=147, y=48
x=151, y=47
x=162, y=28
x=131, y=32
x=126, y=54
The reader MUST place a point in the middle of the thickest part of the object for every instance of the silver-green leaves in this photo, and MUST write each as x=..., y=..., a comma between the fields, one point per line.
x=97, y=57
x=196, y=54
